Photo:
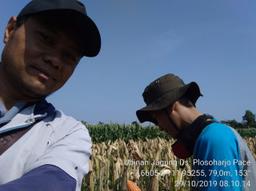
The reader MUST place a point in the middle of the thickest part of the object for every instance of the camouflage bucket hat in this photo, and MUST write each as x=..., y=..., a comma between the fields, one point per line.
x=163, y=92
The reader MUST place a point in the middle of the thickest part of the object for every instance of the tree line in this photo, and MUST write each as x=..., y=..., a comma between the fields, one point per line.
x=249, y=121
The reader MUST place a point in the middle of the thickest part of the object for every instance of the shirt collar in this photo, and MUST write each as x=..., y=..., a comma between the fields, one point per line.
x=40, y=108
x=8, y=115
x=2, y=109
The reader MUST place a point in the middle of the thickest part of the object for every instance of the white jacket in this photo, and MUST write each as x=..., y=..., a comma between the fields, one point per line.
x=63, y=142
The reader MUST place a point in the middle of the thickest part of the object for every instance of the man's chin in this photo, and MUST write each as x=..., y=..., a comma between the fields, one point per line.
x=36, y=93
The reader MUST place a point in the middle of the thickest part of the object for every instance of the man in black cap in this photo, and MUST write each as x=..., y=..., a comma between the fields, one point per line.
x=221, y=159
x=42, y=149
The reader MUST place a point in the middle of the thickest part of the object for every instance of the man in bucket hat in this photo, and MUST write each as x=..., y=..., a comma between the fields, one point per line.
x=42, y=149
x=216, y=147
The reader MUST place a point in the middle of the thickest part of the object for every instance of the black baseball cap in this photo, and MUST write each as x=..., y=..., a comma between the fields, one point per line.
x=88, y=31
x=164, y=91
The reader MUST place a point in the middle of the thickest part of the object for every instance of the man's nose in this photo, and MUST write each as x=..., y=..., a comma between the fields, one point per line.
x=52, y=60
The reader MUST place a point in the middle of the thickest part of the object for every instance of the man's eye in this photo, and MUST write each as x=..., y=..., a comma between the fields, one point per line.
x=45, y=37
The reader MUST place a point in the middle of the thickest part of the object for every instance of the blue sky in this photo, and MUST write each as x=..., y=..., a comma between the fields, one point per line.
x=210, y=42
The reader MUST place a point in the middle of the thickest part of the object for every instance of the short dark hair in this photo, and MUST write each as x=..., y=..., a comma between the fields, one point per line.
x=186, y=102
x=20, y=21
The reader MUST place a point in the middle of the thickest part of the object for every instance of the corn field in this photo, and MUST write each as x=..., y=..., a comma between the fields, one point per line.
x=149, y=163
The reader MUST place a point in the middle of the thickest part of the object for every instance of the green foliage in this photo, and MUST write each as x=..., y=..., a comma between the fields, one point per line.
x=233, y=123
x=110, y=132
x=249, y=121
x=249, y=118
x=250, y=132
x=102, y=132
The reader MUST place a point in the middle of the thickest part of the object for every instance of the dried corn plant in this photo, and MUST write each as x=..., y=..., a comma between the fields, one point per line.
x=150, y=164
x=251, y=142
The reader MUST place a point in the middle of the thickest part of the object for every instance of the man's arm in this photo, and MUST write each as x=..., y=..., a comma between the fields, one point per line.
x=43, y=178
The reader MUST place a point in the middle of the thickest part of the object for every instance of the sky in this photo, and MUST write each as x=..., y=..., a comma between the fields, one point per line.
x=210, y=42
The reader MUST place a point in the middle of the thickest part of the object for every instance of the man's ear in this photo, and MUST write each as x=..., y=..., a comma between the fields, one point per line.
x=10, y=28
x=173, y=110
x=174, y=106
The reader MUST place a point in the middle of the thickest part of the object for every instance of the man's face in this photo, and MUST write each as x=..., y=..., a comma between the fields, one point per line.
x=36, y=60
x=164, y=123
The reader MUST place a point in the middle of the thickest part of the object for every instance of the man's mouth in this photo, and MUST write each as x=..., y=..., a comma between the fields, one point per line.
x=41, y=73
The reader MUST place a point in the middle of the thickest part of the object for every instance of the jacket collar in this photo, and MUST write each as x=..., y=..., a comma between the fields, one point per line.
x=24, y=115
